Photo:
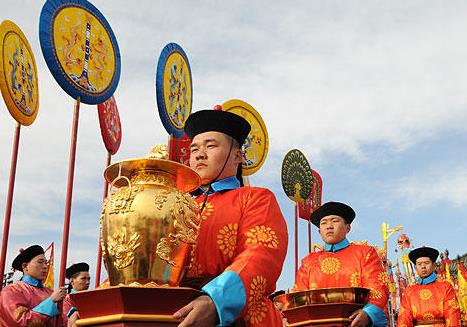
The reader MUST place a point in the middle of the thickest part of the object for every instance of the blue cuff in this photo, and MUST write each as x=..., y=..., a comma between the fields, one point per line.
x=47, y=308
x=228, y=294
x=377, y=316
x=71, y=311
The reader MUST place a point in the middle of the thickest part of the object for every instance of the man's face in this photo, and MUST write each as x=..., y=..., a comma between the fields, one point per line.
x=424, y=267
x=333, y=229
x=208, y=153
x=36, y=268
x=81, y=282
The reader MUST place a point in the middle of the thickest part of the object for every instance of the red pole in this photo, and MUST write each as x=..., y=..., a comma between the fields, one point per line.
x=9, y=201
x=69, y=193
x=309, y=236
x=296, y=237
x=99, y=248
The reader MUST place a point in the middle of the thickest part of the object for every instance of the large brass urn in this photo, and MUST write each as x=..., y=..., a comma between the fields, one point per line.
x=149, y=223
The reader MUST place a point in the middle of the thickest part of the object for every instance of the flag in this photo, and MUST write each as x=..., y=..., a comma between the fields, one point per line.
x=49, y=280
x=104, y=284
x=462, y=287
x=448, y=274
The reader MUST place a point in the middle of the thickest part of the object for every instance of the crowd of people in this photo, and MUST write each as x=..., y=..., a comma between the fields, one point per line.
x=246, y=237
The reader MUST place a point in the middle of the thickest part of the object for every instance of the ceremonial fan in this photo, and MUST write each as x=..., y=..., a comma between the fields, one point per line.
x=174, y=96
x=255, y=148
x=111, y=131
x=296, y=180
x=20, y=91
x=82, y=54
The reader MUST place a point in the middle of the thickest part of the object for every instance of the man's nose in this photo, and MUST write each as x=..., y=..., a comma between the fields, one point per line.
x=201, y=154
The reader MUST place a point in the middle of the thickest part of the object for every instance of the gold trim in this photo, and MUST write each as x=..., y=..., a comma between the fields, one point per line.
x=125, y=317
x=319, y=321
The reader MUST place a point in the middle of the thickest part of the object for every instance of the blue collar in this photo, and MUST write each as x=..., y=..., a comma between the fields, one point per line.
x=73, y=291
x=229, y=183
x=32, y=281
x=430, y=279
x=336, y=247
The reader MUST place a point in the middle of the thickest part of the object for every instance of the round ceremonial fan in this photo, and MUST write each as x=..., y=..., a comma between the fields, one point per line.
x=18, y=74
x=111, y=127
x=174, y=89
x=255, y=148
x=296, y=176
x=80, y=49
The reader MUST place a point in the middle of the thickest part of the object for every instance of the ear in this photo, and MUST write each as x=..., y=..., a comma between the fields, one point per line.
x=238, y=157
x=24, y=265
x=347, y=228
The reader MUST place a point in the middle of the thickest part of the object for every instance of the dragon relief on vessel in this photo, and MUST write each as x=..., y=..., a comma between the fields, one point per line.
x=186, y=220
x=122, y=198
x=121, y=250
x=148, y=177
x=161, y=199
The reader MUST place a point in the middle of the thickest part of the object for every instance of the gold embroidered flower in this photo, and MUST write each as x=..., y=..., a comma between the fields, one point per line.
x=262, y=235
x=355, y=279
x=453, y=303
x=383, y=277
x=375, y=294
x=19, y=312
x=227, y=239
x=207, y=211
x=257, y=308
x=313, y=286
x=425, y=294
x=441, y=306
x=428, y=316
x=448, y=322
x=330, y=265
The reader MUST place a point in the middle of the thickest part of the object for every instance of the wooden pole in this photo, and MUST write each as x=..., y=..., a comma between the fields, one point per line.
x=9, y=201
x=296, y=237
x=69, y=193
x=99, y=248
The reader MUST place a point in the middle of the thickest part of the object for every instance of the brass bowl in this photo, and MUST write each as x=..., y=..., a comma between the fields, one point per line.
x=333, y=295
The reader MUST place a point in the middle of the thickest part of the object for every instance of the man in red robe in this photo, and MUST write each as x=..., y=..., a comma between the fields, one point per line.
x=429, y=302
x=342, y=264
x=28, y=302
x=242, y=240
x=78, y=276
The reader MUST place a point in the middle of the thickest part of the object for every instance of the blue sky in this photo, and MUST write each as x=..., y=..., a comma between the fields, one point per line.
x=373, y=93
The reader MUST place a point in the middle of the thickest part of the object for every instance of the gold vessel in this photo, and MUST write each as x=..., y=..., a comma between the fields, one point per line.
x=149, y=224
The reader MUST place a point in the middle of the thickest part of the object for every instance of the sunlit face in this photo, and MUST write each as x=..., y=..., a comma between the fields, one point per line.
x=424, y=267
x=208, y=153
x=36, y=268
x=333, y=229
x=81, y=281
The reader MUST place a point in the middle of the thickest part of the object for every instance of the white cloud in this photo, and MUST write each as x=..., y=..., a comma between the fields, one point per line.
x=429, y=188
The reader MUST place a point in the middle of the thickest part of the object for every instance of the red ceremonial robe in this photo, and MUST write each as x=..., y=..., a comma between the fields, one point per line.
x=241, y=247
x=347, y=265
x=429, y=301
x=21, y=304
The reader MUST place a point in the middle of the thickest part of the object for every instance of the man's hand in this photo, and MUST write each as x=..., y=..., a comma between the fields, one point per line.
x=359, y=319
x=72, y=319
x=59, y=294
x=199, y=312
